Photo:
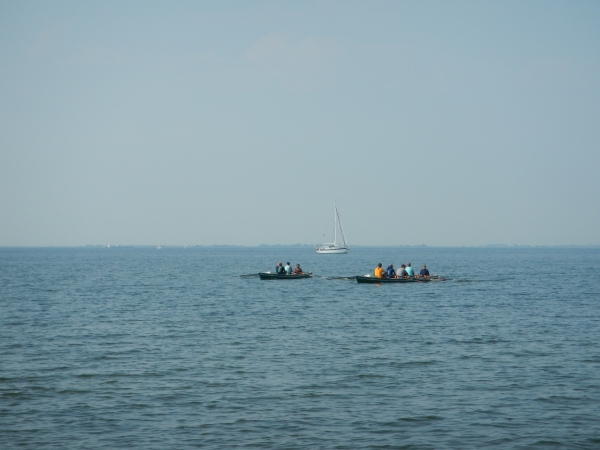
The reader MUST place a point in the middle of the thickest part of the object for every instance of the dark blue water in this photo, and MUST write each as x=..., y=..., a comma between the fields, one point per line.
x=155, y=349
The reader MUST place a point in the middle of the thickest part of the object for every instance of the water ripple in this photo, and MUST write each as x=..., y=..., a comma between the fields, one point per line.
x=143, y=349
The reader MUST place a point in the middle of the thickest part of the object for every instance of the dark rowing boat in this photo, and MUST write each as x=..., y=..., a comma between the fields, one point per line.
x=374, y=279
x=274, y=276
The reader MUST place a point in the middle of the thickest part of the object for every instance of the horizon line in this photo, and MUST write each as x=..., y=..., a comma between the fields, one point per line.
x=304, y=245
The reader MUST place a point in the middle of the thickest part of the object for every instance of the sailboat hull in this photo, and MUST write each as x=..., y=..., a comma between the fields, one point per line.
x=332, y=251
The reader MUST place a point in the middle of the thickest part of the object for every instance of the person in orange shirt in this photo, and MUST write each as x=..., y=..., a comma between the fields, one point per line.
x=379, y=272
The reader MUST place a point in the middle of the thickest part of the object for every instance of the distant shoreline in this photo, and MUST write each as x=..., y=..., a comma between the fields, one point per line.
x=488, y=246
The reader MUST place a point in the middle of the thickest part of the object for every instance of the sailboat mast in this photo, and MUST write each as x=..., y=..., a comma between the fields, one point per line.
x=341, y=228
x=334, y=224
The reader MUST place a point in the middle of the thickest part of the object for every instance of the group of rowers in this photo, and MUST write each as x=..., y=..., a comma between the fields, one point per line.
x=287, y=270
x=405, y=271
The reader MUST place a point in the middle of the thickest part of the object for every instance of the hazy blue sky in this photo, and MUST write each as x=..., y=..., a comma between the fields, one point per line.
x=443, y=123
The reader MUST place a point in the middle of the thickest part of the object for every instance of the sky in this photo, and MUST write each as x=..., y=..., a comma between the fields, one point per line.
x=445, y=123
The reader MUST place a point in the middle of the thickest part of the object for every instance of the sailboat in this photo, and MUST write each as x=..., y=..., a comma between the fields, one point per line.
x=335, y=247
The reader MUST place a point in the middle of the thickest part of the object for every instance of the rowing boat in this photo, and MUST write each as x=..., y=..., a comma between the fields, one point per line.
x=373, y=279
x=275, y=276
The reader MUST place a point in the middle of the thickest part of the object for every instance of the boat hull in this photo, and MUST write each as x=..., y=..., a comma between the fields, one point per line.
x=332, y=251
x=274, y=276
x=372, y=279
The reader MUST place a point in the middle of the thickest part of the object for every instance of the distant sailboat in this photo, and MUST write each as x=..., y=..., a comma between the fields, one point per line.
x=335, y=247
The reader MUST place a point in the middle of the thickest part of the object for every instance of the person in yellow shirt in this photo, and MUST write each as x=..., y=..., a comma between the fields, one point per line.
x=379, y=272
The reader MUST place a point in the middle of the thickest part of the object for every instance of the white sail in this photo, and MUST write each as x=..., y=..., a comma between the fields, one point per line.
x=335, y=247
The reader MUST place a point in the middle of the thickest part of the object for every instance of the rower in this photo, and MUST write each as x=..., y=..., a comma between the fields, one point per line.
x=410, y=271
x=288, y=268
x=391, y=273
x=424, y=272
x=298, y=270
x=379, y=272
x=279, y=270
x=402, y=273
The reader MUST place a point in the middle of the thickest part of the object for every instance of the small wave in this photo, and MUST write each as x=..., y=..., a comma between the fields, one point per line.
x=479, y=340
x=371, y=375
x=420, y=418
x=15, y=395
x=412, y=363
x=527, y=354
x=554, y=398
x=105, y=358
x=546, y=443
x=74, y=391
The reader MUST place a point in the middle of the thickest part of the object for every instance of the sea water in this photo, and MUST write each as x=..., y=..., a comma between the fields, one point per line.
x=104, y=348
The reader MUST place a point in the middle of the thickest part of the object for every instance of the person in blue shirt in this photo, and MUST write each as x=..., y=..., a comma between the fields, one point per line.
x=391, y=272
x=410, y=271
x=424, y=272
